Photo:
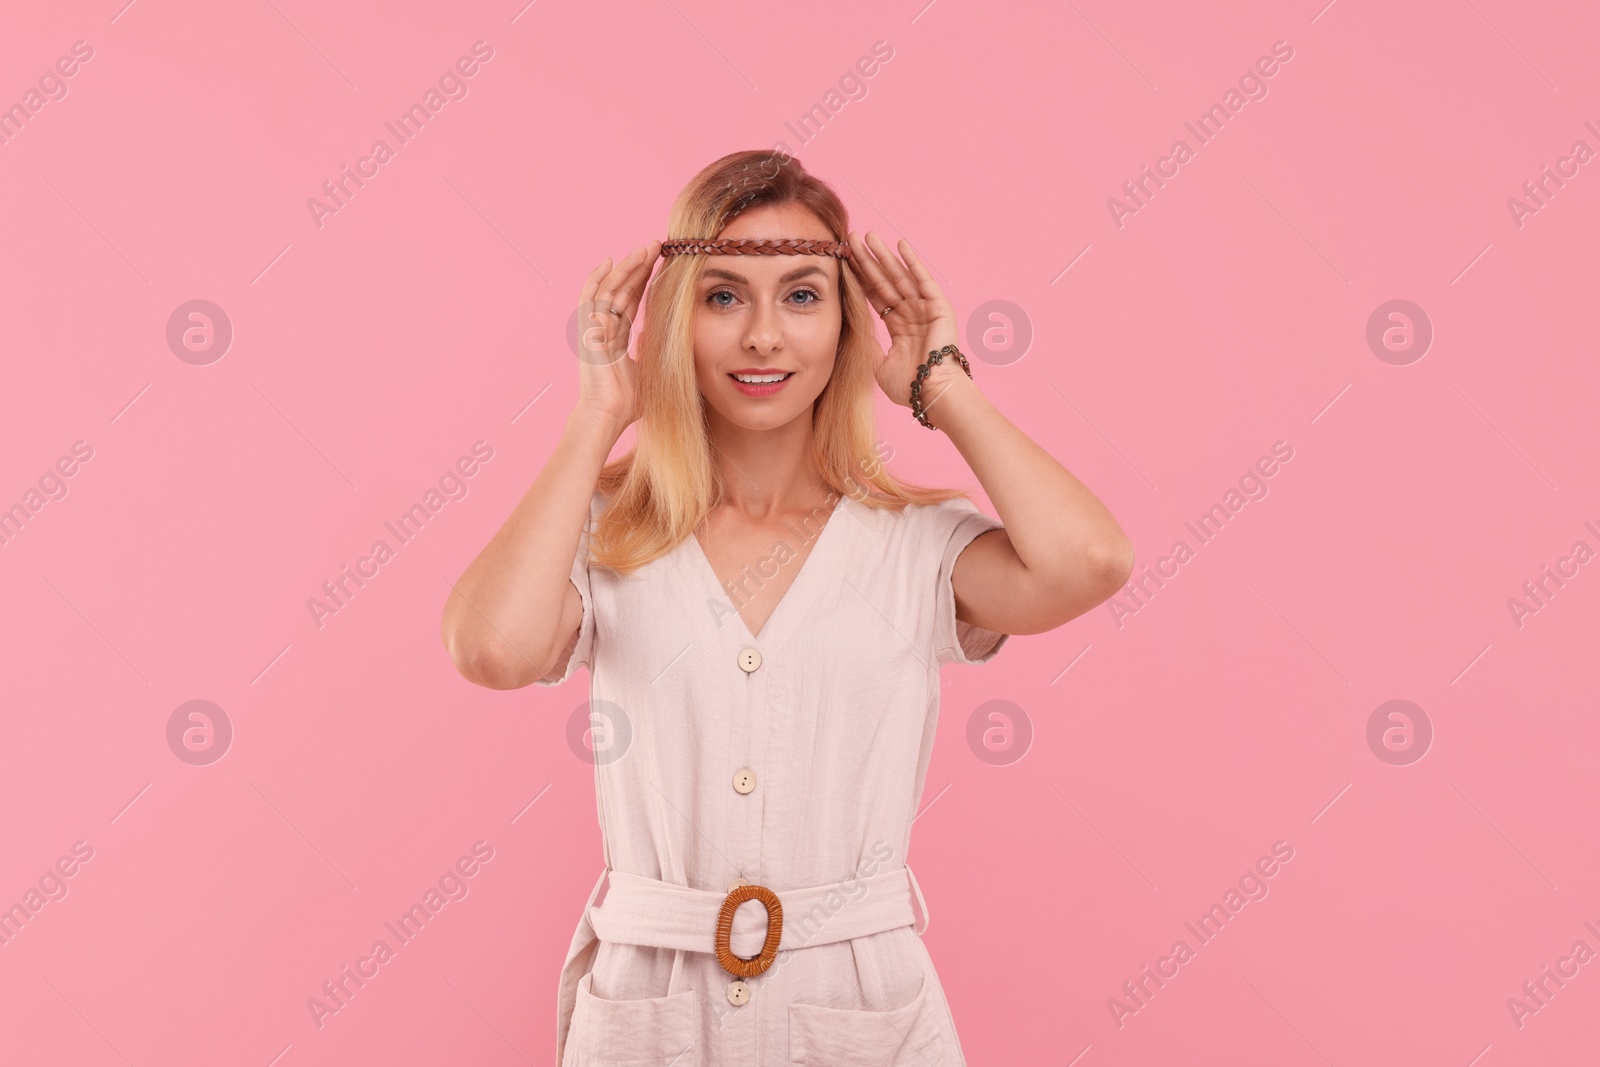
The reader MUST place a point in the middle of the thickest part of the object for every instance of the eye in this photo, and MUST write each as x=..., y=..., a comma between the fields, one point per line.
x=811, y=295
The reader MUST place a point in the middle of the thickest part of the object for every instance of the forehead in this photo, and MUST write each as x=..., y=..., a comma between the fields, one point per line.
x=773, y=222
x=777, y=221
x=769, y=270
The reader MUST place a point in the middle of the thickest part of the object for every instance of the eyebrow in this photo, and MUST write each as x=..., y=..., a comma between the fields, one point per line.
x=798, y=272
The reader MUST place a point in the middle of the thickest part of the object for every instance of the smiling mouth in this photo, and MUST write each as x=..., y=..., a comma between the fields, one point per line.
x=763, y=379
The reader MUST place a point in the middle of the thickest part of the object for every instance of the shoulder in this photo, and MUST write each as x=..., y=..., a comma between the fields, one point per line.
x=938, y=523
x=924, y=528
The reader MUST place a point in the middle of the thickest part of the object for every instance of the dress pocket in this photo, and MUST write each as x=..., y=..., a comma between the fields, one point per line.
x=907, y=1036
x=656, y=1032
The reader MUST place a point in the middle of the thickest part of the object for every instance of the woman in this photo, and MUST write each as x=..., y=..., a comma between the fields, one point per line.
x=764, y=610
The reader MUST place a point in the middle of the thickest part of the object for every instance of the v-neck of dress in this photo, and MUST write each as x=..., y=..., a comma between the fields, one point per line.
x=822, y=540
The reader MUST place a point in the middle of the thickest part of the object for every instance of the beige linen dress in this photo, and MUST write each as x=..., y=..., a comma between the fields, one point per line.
x=792, y=759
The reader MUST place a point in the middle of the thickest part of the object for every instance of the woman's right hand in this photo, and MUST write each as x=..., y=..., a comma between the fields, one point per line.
x=608, y=378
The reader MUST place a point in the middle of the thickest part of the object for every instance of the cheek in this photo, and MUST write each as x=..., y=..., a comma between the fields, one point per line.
x=820, y=335
x=708, y=344
x=827, y=364
x=711, y=328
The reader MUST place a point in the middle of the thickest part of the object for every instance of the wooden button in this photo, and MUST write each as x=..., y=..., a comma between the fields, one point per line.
x=744, y=781
x=749, y=660
x=738, y=992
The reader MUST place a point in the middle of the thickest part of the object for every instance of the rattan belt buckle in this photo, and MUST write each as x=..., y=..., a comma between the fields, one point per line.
x=739, y=965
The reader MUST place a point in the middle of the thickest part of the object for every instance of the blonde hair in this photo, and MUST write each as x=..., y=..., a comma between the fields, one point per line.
x=667, y=484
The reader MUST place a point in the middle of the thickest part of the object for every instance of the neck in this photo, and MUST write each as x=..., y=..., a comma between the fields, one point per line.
x=766, y=473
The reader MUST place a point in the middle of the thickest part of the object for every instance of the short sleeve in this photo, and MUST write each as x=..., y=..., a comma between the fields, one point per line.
x=955, y=522
x=580, y=650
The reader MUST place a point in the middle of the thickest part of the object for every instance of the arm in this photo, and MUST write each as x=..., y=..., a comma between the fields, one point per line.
x=514, y=611
x=512, y=614
x=1061, y=552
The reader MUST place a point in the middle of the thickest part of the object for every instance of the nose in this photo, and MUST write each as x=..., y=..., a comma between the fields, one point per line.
x=763, y=331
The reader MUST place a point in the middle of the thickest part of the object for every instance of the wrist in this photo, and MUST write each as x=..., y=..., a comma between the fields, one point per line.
x=943, y=376
x=596, y=425
x=944, y=397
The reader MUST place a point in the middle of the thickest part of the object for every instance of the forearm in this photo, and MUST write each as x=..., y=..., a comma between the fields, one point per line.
x=504, y=618
x=1058, y=528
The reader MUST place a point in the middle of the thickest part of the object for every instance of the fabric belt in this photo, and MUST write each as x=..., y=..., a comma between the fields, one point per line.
x=636, y=910
x=645, y=911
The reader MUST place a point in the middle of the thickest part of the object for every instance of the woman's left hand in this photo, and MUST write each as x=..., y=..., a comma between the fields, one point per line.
x=922, y=320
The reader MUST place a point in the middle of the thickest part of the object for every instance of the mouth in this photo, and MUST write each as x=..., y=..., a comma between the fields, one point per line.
x=760, y=384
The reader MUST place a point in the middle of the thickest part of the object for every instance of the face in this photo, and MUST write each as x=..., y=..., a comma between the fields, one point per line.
x=765, y=316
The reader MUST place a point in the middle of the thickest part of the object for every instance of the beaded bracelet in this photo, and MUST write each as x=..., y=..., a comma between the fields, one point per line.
x=922, y=372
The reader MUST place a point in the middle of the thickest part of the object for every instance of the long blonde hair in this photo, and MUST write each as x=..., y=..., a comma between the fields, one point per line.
x=667, y=484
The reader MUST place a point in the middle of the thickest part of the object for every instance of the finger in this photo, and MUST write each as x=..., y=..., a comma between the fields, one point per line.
x=925, y=283
x=901, y=283
x=611, y=288
x=592, y=283
x=884, y=291
x=637, y=281
x=877, y=286
x=607, y=310
x=618, y=299
x=592, y=328
x=631, y=290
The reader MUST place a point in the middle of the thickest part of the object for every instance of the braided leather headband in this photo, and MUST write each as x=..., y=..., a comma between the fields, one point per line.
x=749, y=246
x=746, y=246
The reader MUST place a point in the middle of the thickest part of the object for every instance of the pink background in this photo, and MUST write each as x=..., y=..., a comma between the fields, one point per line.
x=1169, y=752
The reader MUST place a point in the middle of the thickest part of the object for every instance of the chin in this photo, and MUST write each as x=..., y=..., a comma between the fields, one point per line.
x=750, y=414
x=765, y=420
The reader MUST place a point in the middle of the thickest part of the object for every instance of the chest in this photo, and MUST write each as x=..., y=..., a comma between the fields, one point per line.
x=839, y=612
x=756, y=565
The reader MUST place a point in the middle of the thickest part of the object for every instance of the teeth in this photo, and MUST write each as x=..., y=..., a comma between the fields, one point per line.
x=761, y=379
